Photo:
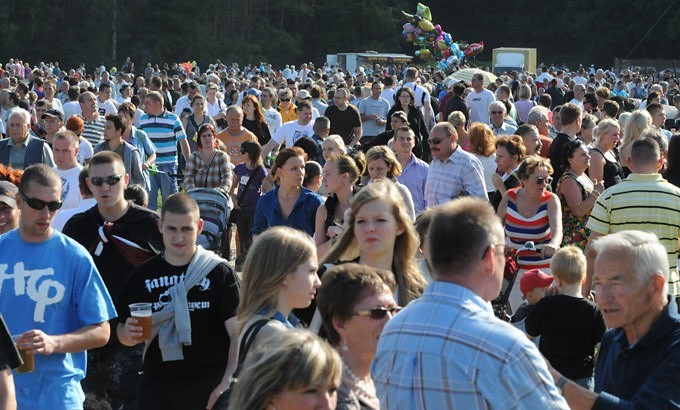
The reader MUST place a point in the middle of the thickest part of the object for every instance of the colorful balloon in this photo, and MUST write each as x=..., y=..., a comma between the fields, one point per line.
x=409, y=28
x=473, y=49
x=423, y=11
x=425, y=25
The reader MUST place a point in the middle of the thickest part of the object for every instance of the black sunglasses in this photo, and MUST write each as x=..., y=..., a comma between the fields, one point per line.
x=541, y=180
x=110, y=180
x=39, y=205
x=285, y=99
x=378, y=313
x=434, y=141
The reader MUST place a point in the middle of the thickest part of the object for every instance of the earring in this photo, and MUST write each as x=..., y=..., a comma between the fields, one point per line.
x=343, y=347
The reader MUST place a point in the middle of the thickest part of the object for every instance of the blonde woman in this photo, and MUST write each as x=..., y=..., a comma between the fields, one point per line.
x=295, y=370
x=636, y=124
x=279, y=275
x=381, y=163
x=380, y=234
x=459, y=122
x=333, y=144
x=604, y=165
x=525, y=103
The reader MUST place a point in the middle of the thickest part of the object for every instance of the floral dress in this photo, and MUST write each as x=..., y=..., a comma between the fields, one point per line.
x=575, y=231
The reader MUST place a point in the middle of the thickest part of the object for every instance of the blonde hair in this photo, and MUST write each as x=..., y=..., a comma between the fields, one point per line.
x=384, y=153
x=274, y=254
x=569, y=265
x=604, y=127
x=638, y=121
x=290, y=360
x=410, y=283
x=335, y=139
x=457, y=119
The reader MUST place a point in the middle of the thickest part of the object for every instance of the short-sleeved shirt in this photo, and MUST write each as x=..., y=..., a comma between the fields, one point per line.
x=379, y=107
x=52, y=286
x=460, y=173
x=292, y=131
x=479, y=105
x=233, y=143
x=165, y=131
x=344, y=122
x=249, y=199
x=645, y=202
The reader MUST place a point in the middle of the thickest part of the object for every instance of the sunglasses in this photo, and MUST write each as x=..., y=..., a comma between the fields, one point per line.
x=546, y=180
x=378, y=313
x=496, y=112
x=285, y=99
x=39, y=205
x=435, y=141
x=110, y=180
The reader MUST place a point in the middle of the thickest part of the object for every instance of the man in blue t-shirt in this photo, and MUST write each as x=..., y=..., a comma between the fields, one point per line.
x=52, y=297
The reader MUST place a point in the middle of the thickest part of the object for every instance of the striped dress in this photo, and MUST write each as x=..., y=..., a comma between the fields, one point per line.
x=520, y=229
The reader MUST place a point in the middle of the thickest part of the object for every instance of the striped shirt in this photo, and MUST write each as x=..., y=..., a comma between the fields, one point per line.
x=520, y=229
x=644, y=202
x=460, y=174
x=93, y=131
x=164, y=131
x=447, y=350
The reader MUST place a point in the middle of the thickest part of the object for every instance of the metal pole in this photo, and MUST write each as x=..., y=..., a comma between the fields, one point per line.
x=114, y=26
x=651, y=28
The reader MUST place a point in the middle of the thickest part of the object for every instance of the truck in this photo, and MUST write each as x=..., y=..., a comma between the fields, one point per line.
x=506, y=59
x=351, y=61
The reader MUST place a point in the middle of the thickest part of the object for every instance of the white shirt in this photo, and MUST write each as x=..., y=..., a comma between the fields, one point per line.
x=70, y=191
x=292, y=131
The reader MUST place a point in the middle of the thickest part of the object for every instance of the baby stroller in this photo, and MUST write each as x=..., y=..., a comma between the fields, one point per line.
x=214, y=208
x=500, y=304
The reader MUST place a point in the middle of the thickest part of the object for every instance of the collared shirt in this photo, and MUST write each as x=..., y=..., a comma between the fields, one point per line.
x=414, y=177
x=447, y=350
x=504, y=129
x=645, y=202
x=459, y=174
x=644, y=375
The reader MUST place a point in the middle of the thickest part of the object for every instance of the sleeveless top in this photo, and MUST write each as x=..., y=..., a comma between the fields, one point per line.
x=331, y=204
x=520, y=229
x=574, y=227
x=612, y=170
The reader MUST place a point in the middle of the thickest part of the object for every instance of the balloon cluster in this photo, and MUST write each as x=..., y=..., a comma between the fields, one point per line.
x=433, y=42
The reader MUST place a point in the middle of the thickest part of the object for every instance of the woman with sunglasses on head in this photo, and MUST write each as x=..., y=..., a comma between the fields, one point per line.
x=379, y=233
x=355, y=302
x=405, y=101
x=577, y=193
x=208, y=167
x=253, y=119
x=532, y=213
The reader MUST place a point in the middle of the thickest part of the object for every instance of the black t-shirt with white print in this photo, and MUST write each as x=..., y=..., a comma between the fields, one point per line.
x=211, y=302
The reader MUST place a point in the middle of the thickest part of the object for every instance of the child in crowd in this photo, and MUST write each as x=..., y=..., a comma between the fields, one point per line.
x=570, y=326
x=533, y=285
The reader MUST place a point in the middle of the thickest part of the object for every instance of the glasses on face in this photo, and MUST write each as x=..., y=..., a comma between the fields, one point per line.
x=544, y=180
x=285, y=99
x=496, y=112
x=39, y=205
x=378, y=313
x=435, y=141
x=110, y=180
x=494, y=245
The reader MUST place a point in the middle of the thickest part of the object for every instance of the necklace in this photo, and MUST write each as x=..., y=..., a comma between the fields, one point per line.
x=363, y=388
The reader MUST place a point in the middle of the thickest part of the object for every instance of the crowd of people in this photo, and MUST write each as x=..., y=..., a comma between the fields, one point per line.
x=373, y=214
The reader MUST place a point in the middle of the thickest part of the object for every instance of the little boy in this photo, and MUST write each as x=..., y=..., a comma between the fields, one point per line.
x=533, y=286
x=569, y=325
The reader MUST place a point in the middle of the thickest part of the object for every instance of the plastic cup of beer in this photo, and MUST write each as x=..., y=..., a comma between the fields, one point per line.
x=142, y=312
x=28, y=359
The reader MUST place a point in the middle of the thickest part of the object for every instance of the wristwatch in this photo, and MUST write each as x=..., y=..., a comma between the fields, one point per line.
x=560, y=384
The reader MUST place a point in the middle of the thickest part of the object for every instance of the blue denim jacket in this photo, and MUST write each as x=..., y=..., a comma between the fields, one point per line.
x=268, y=212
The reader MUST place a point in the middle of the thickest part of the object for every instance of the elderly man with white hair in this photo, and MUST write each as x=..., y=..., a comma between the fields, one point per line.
x=639, y=360
x=21, y=149
x=497, y=113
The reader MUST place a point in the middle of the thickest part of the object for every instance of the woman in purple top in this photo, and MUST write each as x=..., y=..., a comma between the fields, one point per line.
x=246, y=189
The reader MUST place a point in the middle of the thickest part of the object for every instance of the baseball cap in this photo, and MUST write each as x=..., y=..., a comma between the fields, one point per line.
x=534, y=278
x=8, y=193
x=253, y=91
x=54, y=114
x=303, y=94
